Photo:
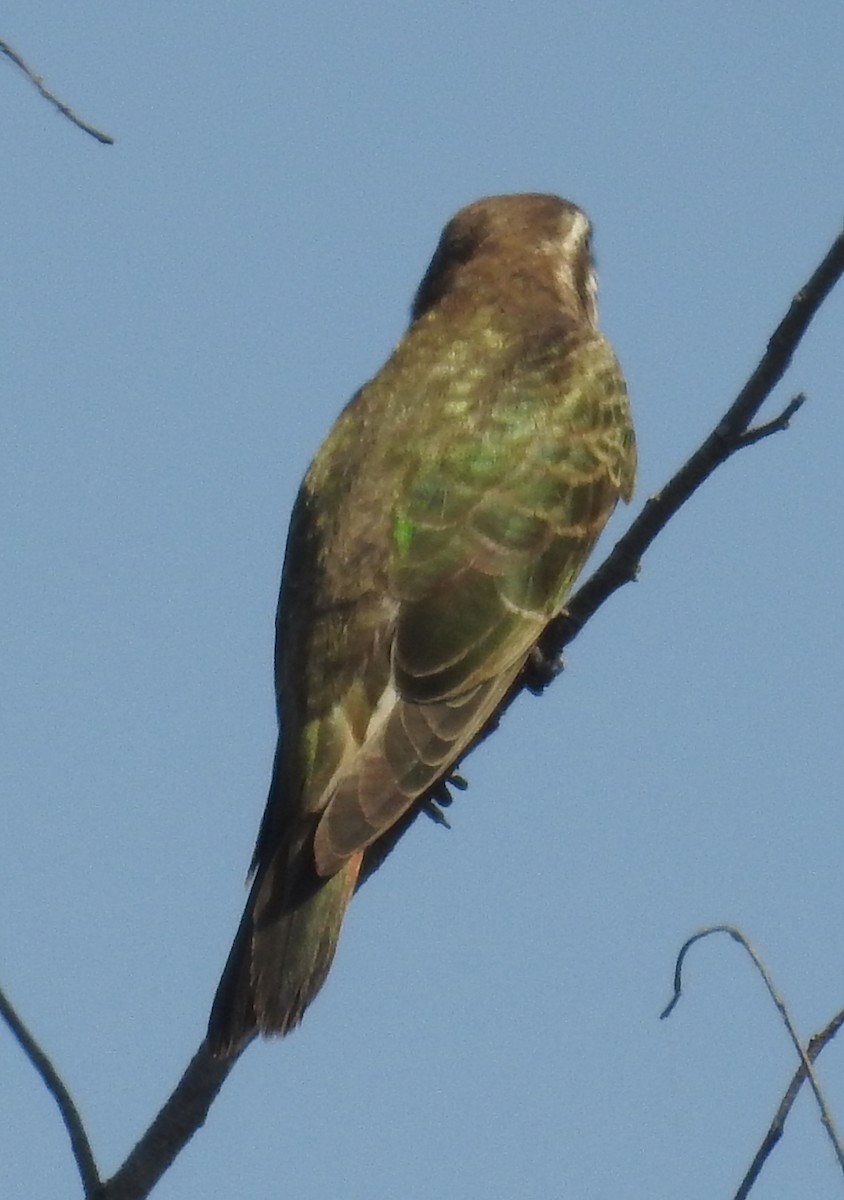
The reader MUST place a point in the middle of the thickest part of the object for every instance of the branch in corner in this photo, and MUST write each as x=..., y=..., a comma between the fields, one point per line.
x=38, y=82
x=79, y=1143
x=775, y=1130
x=807, y=1056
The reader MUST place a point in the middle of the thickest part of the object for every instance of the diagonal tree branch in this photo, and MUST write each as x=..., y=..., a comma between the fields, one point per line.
x=38, y=82
x=172, y=1129
x=187, y=1107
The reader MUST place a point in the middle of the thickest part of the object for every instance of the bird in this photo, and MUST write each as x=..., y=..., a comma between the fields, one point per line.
x=438, y=530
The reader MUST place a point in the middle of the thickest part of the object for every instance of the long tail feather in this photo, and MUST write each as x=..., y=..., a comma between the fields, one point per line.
x=280, y=958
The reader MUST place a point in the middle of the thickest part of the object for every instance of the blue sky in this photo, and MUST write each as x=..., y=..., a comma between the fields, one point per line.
x=182, y=316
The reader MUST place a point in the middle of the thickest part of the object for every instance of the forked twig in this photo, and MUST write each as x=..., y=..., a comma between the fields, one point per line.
x=775, y=1130
x=805, y=1060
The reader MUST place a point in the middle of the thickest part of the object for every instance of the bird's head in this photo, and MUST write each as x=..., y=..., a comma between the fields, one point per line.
x=503, y=239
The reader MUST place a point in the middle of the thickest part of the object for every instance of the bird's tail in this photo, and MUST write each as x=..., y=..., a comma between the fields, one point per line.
x=281, y=955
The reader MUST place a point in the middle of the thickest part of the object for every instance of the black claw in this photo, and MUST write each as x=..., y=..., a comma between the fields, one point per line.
x=433, y=810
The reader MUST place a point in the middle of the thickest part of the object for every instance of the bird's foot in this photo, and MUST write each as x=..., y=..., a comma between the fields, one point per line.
x=541, y=669
x=440, y=797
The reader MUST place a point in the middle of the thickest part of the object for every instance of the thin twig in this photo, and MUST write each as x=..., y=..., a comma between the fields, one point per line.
x=775, y=1130
x=776, y=425
x=79, y=1143
x=805, y=1061
x=6, y=49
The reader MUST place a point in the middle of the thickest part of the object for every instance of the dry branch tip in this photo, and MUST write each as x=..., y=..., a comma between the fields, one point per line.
x=63, y=108
x=805, y=1059
x=52, y=1081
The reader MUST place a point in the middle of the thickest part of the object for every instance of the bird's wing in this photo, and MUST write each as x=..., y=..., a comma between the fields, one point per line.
x=489, y=528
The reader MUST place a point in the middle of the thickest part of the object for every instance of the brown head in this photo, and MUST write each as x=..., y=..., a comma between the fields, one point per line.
x=510, y=238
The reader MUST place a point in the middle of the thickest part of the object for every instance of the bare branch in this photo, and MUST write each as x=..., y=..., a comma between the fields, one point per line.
x=6, y=49
x=805, y=1061
x=775, y=1131
x=180, y=1118
x=785, y=340
x=79, y=1143
x=182, y=1115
